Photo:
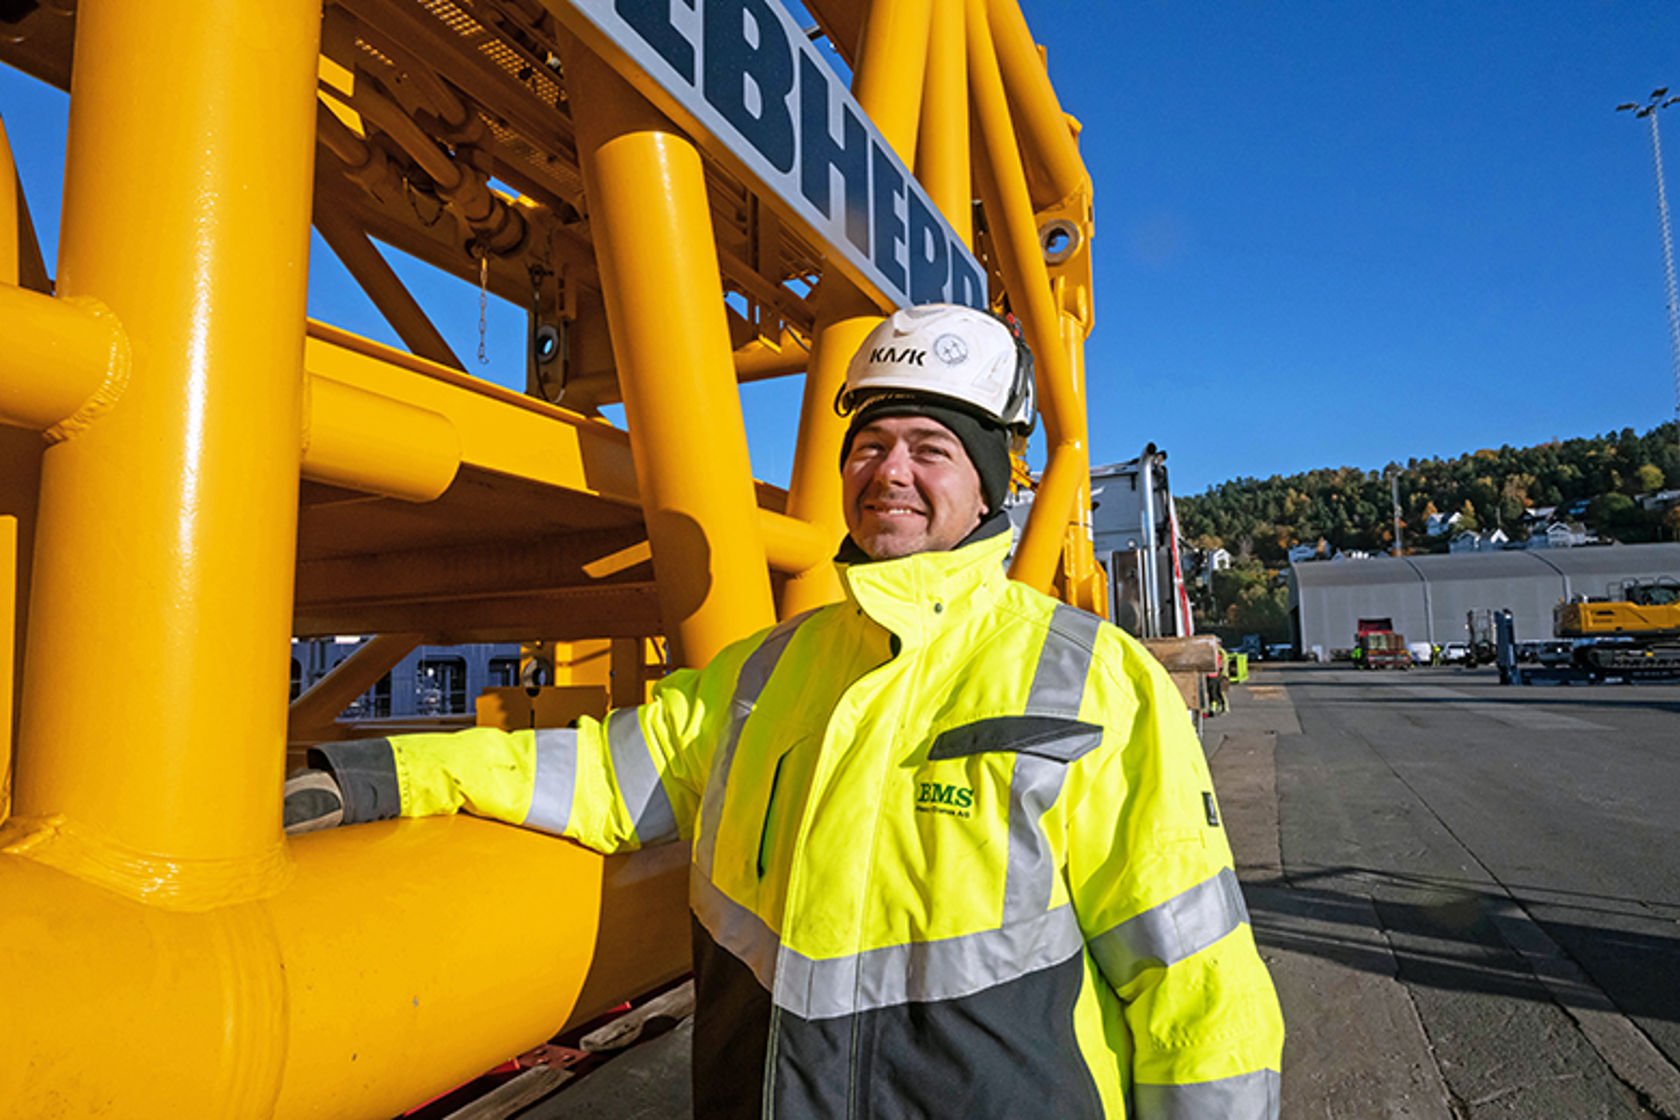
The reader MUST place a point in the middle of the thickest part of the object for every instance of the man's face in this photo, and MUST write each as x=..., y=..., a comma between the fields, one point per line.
x=909, y=487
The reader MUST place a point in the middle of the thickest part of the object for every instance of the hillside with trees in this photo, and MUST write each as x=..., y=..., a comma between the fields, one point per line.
x=1350, y=509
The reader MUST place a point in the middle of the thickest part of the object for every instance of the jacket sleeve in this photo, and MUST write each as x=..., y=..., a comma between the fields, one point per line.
x=1153, y=884
x=631, y=779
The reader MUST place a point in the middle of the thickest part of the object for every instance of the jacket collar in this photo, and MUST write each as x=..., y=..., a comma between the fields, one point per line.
x=916, y=596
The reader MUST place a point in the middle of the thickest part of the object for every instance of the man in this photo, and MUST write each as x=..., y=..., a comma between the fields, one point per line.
x=955, y=849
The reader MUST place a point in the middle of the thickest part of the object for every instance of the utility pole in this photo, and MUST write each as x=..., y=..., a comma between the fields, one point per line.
x=1660, y=99
x=1394, y=493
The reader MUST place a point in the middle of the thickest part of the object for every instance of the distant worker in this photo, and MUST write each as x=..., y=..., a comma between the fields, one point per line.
x=955, y=848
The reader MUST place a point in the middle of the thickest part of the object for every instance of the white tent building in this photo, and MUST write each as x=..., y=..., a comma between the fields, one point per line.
x=1428, y=597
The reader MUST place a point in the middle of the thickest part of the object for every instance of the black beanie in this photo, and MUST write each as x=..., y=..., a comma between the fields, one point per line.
x=986, y=442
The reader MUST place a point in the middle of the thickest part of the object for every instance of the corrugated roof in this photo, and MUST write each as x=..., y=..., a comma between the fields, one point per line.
x=1587, y=562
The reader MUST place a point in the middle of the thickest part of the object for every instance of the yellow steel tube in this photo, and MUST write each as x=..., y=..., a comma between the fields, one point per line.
x=653, y=237
x=1085, y=585
x=9, y=582
x=845, y=317
x=942, y=158
x=755, y=361
x=20, y=252
x=1010, y=213
x=402, y=959
x=400, y=127
x=11, y=213
x=368, y=441
x=1048, y=135
x=792, y=545
x=380, y=281
x=64, y=361
x=892, y=60
x=167, y=529
x=888, y=83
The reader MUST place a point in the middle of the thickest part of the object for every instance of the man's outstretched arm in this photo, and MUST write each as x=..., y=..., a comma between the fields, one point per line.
x=626, y=781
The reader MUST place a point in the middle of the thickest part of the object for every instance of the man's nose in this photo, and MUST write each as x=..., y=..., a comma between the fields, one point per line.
x=894, y=466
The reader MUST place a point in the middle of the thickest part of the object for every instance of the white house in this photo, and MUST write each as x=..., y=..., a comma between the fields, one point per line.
x=1440, y=524
x=1560, y=534
x=1471, y=541
x=1660, y=500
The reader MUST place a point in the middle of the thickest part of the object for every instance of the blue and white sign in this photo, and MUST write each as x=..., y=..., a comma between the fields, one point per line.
x=743, y=71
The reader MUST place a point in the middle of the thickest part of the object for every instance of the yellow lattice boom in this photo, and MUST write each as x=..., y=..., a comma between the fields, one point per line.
x=681, y=198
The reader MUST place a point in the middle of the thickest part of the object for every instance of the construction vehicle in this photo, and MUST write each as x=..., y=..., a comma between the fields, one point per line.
x=1633, y=632
x=681, y=198
x=1483, y=643
x=1377, y=646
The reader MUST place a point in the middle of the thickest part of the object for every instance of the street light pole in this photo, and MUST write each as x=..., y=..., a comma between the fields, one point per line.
x=1660, y=99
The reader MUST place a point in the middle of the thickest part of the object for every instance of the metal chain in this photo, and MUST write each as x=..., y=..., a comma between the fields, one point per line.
x=483, y=301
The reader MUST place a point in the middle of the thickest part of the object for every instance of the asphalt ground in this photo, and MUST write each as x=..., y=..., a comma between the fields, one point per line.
x=1469, y=894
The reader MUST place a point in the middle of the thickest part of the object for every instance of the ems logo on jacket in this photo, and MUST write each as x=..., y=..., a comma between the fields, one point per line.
x=943, y=797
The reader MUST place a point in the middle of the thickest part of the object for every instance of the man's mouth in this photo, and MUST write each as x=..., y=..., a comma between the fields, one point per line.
x=893, y=509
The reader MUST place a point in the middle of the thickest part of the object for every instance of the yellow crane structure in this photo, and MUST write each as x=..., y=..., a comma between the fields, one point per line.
x=682, y=197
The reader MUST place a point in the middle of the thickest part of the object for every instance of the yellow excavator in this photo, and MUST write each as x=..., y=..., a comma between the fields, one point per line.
x=1637, y=632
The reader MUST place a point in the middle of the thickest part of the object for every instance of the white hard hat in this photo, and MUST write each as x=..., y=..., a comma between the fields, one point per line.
x=946, y=350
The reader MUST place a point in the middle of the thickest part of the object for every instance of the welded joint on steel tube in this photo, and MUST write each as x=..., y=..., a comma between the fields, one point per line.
x=182, y=884
x=367, y=441
x=67, y=361
x=117, y=367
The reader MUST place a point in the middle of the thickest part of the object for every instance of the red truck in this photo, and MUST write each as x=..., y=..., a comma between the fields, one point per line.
x=1377, y=646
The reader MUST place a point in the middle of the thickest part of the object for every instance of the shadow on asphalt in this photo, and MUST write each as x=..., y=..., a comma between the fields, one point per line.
x=1661, y=696
x=1554, y=698
x=1443, y=934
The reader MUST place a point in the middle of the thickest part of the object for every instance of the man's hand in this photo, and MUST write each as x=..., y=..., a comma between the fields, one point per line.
x=313, y=800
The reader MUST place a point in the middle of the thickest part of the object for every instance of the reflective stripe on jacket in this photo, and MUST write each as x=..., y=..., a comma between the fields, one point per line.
x=955, y=853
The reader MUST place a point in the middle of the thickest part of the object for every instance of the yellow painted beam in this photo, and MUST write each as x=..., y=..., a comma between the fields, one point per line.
x=651, y=224
x=892, y=62
x=508, y=565
x=620, y=610
x=65, y=360
x=166, y=529
x=375, y=443
x=499, y=429
x=373, y=272
x=893, y=58
x=1014, y=231
x=1048, y=137
x=11, y=199
x=942, y=157
x=361, y=989
x=9, y=583
x=517, y=435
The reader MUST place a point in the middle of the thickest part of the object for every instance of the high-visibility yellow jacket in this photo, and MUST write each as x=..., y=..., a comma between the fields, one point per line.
x=955, y=853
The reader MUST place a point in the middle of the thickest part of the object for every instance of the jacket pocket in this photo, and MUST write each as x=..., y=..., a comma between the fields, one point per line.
x=765, y=837
x=1052, y=737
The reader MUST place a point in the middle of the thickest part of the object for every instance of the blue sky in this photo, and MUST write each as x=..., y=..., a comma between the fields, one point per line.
x=1327, y=233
